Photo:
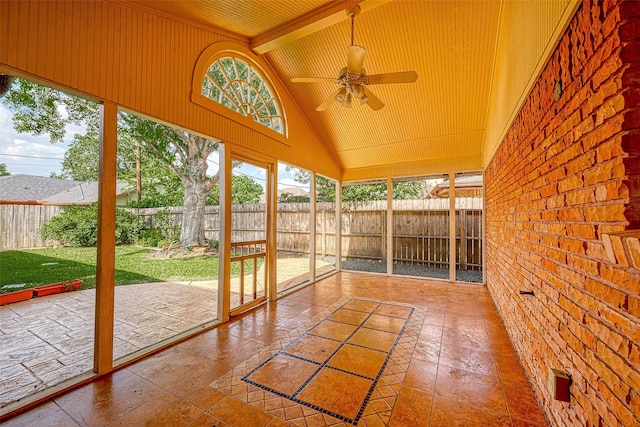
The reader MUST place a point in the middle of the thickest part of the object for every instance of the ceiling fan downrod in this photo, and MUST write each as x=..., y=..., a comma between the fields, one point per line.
x=351, y=13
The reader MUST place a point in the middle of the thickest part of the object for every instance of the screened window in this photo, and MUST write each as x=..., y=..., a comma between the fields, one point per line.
x=240, y=87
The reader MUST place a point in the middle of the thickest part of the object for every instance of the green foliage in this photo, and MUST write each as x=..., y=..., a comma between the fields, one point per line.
x=3, y=170
x=408, y=190
x=364, y=192
x=81, y=160
x=128, y=227
x=162, y=232
x=159, y=190
x=243, y=190
x=325, y=189
x=41, y=110
x=368, y=192
x=77, y=226
x=152, y=237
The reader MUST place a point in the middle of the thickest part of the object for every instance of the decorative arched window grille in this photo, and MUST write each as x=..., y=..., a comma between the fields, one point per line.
x=237, y=85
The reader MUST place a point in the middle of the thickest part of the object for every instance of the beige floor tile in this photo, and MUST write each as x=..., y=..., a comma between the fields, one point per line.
x=338, y=392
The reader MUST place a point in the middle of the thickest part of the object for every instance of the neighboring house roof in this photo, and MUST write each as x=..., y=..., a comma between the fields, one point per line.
x=84, y=193
x=294, y=191
x=41, y=190
x=466, y=186
x=30, y=188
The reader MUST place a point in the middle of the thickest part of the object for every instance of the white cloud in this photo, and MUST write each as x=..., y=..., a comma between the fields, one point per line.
x=20, y=151
x=288, y=182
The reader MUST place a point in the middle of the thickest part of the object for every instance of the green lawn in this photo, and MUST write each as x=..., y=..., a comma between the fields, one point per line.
x=37, y=267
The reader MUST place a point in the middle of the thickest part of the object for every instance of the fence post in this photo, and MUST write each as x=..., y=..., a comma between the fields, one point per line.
x=463, y=239
x=382, y=235
x=324, y=233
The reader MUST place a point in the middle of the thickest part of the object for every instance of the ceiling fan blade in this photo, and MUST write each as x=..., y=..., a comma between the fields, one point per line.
x=355, y=58
x=374, y=102
x=313, y=79
x=327, y=102
x=401, y=77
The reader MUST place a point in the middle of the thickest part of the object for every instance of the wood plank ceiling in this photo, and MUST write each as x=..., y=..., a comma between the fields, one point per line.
x=450, y=44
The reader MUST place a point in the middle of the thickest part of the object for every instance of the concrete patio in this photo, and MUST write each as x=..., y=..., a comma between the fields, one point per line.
x=45, y=341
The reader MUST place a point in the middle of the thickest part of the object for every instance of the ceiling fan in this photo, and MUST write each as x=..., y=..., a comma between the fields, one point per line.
x=353, y=79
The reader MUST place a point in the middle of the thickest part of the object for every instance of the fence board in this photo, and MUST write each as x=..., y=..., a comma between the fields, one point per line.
x=20, y=224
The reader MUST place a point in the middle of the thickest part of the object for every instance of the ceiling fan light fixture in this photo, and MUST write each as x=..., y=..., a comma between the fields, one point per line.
x=357, y=91
x=347, y=101
x=354, y=79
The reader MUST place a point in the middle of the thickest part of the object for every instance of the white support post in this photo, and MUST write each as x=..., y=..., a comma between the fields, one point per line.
x=483, y=224
x=106, y=246
x=312, y=228
x=452, y=227
x=389, y=226
x=224, y=266
x=272, y=227
x=338, y=225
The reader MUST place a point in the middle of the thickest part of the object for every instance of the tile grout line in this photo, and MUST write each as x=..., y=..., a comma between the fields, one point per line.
x=295, y=394
x=375, y=381
x=383, y=367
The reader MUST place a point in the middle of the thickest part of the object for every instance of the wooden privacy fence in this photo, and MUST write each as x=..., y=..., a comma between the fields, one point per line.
x=420, y=228
x=420, y=232
x=20, y=225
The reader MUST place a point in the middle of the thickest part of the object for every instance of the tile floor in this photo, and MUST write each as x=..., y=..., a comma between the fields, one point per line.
x=452, y=365
x=333, y=376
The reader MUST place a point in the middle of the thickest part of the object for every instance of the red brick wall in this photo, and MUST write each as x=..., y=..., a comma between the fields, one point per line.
x=567, y=172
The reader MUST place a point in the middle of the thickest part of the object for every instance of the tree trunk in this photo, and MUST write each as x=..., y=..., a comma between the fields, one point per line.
x=195, y=199
x=5, y=83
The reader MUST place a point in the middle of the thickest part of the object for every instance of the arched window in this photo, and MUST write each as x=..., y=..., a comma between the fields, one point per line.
x=237, y=85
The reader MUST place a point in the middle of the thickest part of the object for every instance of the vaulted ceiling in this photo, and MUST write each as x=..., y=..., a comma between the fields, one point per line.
x=454, y=46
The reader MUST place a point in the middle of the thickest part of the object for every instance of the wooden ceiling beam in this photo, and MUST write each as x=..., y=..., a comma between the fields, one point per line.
x=314, y=21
